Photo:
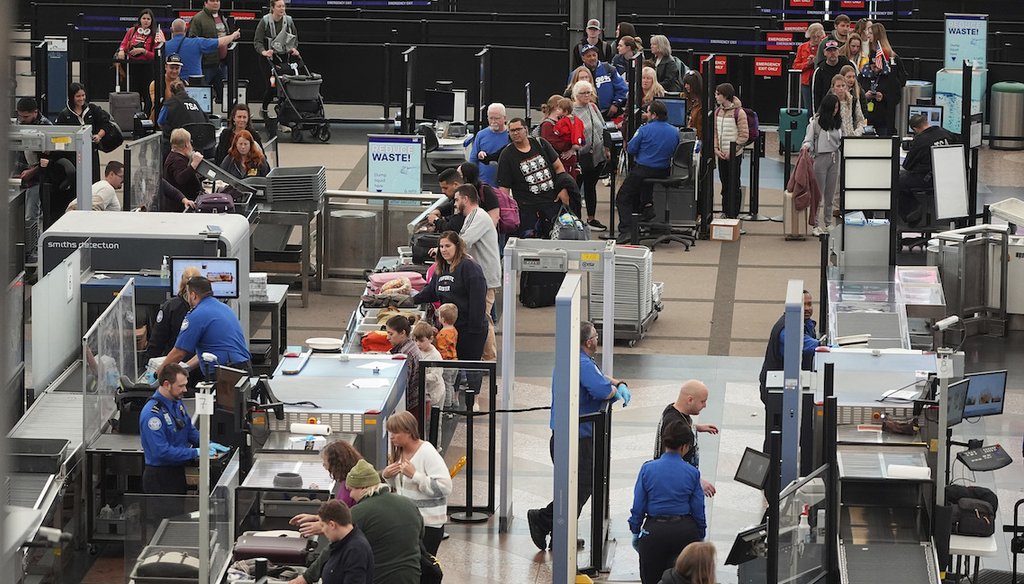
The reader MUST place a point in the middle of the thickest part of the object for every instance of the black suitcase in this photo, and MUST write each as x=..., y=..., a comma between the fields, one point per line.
x=538, y=289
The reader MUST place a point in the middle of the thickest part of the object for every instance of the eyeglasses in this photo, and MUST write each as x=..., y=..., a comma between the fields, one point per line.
x=514, y=130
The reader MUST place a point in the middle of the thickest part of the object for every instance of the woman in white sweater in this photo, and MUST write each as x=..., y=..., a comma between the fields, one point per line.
x=823, y=139
x=418, y=472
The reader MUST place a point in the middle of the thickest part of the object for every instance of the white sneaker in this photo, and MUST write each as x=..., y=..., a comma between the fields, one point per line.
x=817, y=231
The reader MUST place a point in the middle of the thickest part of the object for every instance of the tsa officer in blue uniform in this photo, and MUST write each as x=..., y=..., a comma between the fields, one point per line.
x=169, y=439
x=210, y=327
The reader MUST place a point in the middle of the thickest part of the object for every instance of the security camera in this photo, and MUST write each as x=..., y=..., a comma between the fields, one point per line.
x=946, y=323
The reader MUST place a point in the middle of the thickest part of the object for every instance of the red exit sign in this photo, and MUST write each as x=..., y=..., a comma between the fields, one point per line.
x=768, y=66
x=779, y=41
x=721, y=64
x=851, y=4
x=794, y=26
x=801, y=3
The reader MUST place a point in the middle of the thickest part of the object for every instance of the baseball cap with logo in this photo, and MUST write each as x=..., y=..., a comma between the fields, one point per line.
x=831, y=45
x=174, y=59
x=585, y=48
x=594, y=23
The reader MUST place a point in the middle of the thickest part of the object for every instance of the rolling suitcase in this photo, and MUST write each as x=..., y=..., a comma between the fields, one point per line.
x=215, y=203
x=794, y=223
x=538, y=289
x=793, y=118
x=125, y=104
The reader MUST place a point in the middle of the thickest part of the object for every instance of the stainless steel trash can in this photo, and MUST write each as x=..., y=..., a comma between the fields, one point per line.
x=913, y=91
x=1006, y=121
x=353, y=243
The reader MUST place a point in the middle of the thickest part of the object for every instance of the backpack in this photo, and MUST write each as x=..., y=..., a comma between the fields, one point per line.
x=753, y=128
x=508, y=212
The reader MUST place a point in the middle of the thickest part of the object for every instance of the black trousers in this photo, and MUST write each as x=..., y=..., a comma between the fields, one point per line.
x=909, y=207
x=584, y=480
x=732, y=195
x=432, y=539
x=634, y=192
x=164, y=480
x=587, y=182
x=663, y=543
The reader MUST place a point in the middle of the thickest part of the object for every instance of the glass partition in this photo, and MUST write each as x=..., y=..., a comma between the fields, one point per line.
x=801, y=538
x=143, y=159
x=167, y=527
x=108, y=352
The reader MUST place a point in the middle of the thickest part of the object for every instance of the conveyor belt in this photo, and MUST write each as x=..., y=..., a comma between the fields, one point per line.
x=183, y=534
x=54, y=415
x=28, y=489
x=874, y=563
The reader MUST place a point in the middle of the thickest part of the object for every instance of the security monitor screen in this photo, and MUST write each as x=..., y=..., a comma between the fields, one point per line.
x=221, y=272
x=676, y=107
x=753, y=468
x=932, y=112
x=986, y=394
x=956, y=401
x=203, y=96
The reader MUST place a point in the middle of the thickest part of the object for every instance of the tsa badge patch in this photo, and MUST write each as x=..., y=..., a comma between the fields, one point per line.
x=184, y=325
x=159, y=317
x=154, y=423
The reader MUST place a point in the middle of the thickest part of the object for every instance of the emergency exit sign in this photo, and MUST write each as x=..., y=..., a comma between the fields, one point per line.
x=801, y=3
x=768, y=66
x=721, y=64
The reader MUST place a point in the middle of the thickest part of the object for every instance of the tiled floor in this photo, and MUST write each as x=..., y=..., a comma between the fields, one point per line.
x=721, y=300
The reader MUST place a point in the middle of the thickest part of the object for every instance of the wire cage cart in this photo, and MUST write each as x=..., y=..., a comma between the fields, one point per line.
x=637, y=296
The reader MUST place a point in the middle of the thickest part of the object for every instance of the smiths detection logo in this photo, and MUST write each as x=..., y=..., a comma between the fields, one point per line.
x=83, y=244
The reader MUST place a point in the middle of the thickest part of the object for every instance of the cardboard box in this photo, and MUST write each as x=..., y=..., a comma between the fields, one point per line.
x=725, y=229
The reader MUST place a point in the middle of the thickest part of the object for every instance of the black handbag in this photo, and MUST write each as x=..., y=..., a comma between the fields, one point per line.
x=430, y=569
x=112, y=137
x=973, y=517
x=422, y=243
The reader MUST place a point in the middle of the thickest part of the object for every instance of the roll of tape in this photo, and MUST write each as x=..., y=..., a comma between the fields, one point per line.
x=317, y=429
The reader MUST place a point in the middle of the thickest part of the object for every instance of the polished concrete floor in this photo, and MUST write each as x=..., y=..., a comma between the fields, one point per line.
x=720, y=302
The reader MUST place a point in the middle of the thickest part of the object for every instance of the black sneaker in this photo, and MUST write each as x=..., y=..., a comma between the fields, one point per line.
x=647, y=214
x=596, y=225
x=537, y=533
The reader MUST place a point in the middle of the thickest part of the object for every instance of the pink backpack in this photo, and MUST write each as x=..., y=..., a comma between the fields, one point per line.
x=508, y=212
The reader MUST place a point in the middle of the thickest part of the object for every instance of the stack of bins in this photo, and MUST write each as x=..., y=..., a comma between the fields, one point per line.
x=634, y=303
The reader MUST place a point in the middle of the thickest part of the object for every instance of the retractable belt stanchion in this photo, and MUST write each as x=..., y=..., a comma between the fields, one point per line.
x=484, y=86
x=408, y=105
x=772, y=495
x=754, y=202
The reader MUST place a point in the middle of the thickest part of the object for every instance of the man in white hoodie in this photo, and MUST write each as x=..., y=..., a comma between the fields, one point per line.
x=481, y=237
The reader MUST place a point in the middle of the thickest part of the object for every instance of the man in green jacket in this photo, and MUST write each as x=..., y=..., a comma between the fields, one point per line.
x=211, y=24
x=392, y=524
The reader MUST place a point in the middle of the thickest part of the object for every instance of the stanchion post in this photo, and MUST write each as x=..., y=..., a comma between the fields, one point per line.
x=772, y=495
x=483, y=89
x=408, y=105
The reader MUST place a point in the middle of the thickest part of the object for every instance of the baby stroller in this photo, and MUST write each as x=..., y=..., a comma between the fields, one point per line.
x=299, y=105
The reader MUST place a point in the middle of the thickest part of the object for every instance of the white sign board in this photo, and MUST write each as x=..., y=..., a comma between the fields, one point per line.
x=966, y=39
x=393, y=164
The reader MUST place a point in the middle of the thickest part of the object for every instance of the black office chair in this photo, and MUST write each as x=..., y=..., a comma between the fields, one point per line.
x=437, y=160
x=651, y=233
x=204, y=138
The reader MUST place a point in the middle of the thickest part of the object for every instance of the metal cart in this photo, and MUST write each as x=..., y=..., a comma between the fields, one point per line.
x=635, y=306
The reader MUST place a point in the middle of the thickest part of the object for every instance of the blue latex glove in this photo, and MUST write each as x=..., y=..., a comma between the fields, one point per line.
x=622, y=391
x=199, y=453
x=215, y=447
x=636, y=542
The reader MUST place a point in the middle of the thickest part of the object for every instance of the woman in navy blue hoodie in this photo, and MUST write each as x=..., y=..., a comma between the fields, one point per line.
x=460, y=280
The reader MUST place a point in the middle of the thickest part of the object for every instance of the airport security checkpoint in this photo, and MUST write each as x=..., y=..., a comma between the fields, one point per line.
x=673, y=324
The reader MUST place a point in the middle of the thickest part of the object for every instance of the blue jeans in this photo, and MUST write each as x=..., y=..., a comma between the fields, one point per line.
x=33, y=221
x=805, y=98
x=214, y=76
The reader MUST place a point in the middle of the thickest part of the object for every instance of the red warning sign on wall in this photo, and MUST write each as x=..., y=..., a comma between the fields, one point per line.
x=851, y=4
x=767, y=66
x=801, y=3
x=779, y=41
x=721, y=64
x=795, y=26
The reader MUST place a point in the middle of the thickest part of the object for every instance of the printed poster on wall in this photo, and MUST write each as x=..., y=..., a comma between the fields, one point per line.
x=966, y=38
x=393, y=164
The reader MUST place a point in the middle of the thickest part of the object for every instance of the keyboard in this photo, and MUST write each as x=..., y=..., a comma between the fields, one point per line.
x=985, y=458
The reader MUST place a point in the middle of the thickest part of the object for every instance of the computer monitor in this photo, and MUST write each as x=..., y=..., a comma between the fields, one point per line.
x=956, y=401
x=221, y=272
x=932, y=112
x=439, y=105
x=753, y=468
x=986, y=394
x=676, y=107
x=203, y=96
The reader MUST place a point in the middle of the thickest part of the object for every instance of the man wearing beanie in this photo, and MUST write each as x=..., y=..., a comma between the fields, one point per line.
x=391, y=523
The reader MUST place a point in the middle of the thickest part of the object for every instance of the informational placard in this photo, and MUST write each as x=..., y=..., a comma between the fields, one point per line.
x=966, y=39
x=949, y=85
x=801, y=3
x=795, y=25
x=768, y=66
x=779, y=41
x=393, y=164
x=721, y=64
x=949, y=175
